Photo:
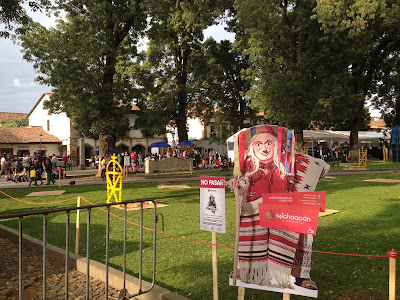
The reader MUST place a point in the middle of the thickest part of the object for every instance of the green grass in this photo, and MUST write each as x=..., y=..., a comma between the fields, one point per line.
x=371, y=165
x=367, y=224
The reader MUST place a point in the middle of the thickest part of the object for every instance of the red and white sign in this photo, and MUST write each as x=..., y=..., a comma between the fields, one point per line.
x=297, y=212
x=212, y=204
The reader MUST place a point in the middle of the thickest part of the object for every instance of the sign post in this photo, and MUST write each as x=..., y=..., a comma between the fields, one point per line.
x=212, y=216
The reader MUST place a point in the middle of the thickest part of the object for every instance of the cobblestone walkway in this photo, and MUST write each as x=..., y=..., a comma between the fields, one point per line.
x=33, y=277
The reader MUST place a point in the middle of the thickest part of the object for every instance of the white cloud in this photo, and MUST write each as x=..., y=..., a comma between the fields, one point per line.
x=219, y=33
x=17, y=83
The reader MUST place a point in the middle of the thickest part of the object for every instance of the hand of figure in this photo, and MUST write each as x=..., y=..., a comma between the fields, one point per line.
x=241, y=184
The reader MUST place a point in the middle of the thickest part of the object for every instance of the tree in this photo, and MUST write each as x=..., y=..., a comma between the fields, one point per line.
x=15, y=123
x=285, y=49
x=13, y=15
x=79, y=59
x=366, y=32
x=175, y=38
x=229, y=87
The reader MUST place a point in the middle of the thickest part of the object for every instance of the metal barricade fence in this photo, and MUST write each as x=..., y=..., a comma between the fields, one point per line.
x=88, y=208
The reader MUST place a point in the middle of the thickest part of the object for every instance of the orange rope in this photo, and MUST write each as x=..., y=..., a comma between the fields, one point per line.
x=196, y=241
x=37, y=202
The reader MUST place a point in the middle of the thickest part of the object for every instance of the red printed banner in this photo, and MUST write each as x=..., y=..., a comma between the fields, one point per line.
x=297, y=198
x=296, y=218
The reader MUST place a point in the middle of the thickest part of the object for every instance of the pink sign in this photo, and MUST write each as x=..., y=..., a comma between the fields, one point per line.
x=290, y=217
x=297, y=211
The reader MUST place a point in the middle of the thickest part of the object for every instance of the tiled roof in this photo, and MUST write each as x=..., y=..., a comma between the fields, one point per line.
x=133, y=106
x=26, y=135
x=7, y=116
x=377, y=123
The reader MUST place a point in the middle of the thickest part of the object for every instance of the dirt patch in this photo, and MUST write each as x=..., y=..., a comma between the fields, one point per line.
x=46, y=193
x=383, y=180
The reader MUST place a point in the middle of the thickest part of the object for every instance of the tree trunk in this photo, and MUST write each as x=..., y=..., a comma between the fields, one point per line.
x=103, y=149
x=181, y=59
x=298, y=135
x=353, y=153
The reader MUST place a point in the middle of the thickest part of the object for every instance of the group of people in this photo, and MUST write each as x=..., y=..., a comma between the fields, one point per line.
x=335, y=153
x=32, y=169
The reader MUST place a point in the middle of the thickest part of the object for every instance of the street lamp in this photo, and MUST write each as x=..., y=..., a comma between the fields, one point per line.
x=40, y=147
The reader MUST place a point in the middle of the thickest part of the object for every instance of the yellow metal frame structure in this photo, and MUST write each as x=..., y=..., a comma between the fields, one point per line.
x=114, y=180
x=362, y=157
x=385, y=153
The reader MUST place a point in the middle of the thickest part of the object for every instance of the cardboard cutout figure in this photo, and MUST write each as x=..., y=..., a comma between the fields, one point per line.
x=265, y=162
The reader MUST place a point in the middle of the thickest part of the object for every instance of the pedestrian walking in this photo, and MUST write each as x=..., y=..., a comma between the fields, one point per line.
x=32, y=176
x=49, y=171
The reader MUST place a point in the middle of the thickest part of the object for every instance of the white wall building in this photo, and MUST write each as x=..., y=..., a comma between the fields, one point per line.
x=62, y=127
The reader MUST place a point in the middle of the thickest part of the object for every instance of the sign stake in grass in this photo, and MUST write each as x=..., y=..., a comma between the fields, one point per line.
x=59, y=177
x=392, y=274
x=240, y=293
x=215, y=264
x=78, y=214
x=286, y=296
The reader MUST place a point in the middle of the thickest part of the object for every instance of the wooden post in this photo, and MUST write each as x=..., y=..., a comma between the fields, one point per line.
x=241, y=293
x=235, y=262
x=78, y=213
x=59, y=178
x=286, y=296
x=392, y=274
x=215, y=264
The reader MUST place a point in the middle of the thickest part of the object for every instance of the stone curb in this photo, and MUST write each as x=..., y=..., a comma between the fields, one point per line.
x=96, y=271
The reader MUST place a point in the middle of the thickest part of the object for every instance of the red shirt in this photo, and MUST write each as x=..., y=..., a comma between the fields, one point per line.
x=265, y=181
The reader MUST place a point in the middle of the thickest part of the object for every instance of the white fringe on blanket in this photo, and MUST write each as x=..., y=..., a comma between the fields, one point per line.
x=262, y=276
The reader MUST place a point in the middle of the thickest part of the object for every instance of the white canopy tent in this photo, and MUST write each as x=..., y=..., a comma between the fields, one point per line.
x=325, y=136
x=368, y=137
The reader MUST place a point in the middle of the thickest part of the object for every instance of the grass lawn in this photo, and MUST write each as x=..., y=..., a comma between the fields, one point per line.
x=367, y=224
x=371, y=165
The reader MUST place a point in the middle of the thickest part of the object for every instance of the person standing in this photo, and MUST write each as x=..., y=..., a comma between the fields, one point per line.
x=69, y=163
x=3, y=164
x=133, y=160
x=65, y=160
x=39, y=171
x=32, y=176
x=335, y=155
x=25, y=161
x=54, y=162
x=127, y=163
x=103, y=168
x=49, y=171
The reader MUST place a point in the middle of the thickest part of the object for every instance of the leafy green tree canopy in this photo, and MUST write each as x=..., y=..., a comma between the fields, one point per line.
x=175, y=41
x=13, y=15
x=79, y=59
x=286, y=50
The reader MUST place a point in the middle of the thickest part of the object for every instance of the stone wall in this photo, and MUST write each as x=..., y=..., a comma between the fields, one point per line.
x=171, y=164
